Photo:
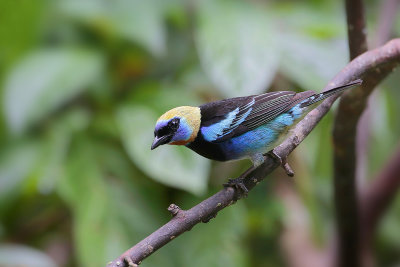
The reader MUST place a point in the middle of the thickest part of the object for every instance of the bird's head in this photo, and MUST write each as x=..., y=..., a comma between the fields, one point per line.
x=178, y=126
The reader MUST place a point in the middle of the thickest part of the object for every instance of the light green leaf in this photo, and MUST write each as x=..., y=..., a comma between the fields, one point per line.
x=237, y=49
x=45, y=80
x=17, y=255
x=137, y=20
x=84, y=189
x=56, y=143
x=311, y=62
x=15, y=165
x=311, y=41
x=174, y=166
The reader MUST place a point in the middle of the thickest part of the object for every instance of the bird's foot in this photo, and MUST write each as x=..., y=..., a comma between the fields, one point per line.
x=238, y=185
x=283, y=162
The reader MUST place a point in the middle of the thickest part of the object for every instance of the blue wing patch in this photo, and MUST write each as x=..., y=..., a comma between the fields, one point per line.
x=226, y=126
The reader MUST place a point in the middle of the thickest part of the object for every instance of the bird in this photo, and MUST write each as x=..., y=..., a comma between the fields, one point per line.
x=240, y=127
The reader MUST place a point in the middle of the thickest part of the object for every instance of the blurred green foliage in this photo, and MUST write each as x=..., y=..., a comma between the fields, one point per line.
x=82, y=85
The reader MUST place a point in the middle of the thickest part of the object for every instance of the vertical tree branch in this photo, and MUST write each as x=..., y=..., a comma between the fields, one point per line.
x=376, y=199
x=351, y=106
x=386, y=21
x=387, y=17
x=356, y=27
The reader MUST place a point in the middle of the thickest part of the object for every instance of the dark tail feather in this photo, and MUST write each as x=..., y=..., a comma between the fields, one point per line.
x=318, y=97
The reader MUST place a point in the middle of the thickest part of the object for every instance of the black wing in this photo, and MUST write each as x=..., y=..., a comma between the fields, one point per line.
x=228, y=118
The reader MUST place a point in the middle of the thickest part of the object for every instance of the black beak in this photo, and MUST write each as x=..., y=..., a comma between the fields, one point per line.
x=158, y=141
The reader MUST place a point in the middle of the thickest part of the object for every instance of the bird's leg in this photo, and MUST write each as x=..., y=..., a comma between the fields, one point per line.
x=283, y=163
x=237, y=183
x=240, y=189
x=247, y=172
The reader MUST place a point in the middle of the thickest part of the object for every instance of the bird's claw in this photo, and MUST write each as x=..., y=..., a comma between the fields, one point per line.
x=238, y=185
x=282, y=162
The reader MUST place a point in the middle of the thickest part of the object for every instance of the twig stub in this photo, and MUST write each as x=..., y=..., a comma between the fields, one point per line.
x=174, y=209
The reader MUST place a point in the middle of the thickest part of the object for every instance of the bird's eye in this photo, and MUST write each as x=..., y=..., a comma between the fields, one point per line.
x=174, y=123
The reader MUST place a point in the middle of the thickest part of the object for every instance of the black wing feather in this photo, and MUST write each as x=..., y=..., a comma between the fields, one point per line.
x=264, y=108
x=267, y=109
x=216, y=111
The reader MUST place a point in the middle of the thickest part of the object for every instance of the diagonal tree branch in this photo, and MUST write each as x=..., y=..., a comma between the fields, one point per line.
x=377, y=63
x=351, y=106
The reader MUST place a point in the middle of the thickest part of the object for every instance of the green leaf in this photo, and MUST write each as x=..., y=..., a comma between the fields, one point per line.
x=136, y=20
x=237, y=49
x=311, y=42
x=110, y=212
x=17, y=255
x=26, y=18
x=84, y=189
x=45, y=80
x=218, y=244
x=56, y=143
x=174, y=166
x=311, y=62
x=15, y=166
x=161, y=97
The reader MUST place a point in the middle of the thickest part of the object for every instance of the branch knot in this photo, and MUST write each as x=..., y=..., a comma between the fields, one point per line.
x=174, y=209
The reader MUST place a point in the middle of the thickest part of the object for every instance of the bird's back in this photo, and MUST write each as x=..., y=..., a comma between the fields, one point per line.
x=224, y=121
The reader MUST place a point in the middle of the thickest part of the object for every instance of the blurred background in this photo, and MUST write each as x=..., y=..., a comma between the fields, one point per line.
x=82, y=84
